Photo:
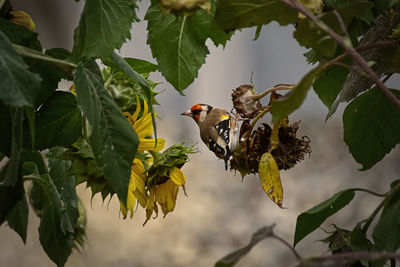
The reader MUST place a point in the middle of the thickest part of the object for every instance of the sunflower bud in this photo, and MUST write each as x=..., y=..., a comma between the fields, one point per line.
x=245, y=102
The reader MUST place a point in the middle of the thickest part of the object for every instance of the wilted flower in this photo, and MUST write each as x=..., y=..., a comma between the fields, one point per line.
x=165, y=194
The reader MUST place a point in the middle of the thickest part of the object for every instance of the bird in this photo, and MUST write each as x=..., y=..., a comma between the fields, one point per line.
x=218, y=129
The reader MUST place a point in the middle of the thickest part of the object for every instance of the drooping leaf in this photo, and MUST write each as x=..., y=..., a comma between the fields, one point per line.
x=55, y=229
x=288, y=103
x=311, y=219
x=65, y=184
x=386, y=233
x=234, y=257
x=104, y=26
x=309, y=35
x=18, y=86
x=237, y=14
x=371, y=127
x=270, y=178
x=180, y=60
x=17, y=219
x=58, y=121
x=328, y=84
x=113, y=140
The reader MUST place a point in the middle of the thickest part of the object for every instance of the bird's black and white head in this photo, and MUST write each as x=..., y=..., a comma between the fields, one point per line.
x=198, y=112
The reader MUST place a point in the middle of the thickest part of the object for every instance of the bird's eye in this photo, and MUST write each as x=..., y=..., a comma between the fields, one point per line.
x=196, y=111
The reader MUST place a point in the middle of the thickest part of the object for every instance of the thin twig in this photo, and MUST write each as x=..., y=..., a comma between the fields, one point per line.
x=387, y=198
x=342, y=25
x=350, y=50
x=374, y=45
x=259, y=116
x=370, y=192
x=297, y=255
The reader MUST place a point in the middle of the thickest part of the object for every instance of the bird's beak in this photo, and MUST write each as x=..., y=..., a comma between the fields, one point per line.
x=187, y=113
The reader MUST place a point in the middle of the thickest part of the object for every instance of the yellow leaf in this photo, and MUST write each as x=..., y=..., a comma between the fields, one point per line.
x=270, y=179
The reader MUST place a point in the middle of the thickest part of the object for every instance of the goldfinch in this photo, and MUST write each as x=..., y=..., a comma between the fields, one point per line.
x=218, y=129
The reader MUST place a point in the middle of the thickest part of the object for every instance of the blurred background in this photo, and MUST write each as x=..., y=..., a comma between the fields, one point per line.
x=221, y=211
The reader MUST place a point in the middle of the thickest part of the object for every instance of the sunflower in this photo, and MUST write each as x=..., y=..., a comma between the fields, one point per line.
x=165, y=194
x=143, y=128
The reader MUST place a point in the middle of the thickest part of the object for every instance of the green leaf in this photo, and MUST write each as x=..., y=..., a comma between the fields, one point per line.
x=14, y=164
x=9, y=196
x=386, y=233
x=141, y=66
x=50, y=74
x=113, y=140
x=65, y=183
x=309, y=35
x=311, y=219
x=359, y=240
x=5, y=133
x=58, y=121
x=185, y=52
x=18, y=86
x=288, y=103
x=36, y=158
x=233, y=258
x=104, y=26
x=18, y=218
x=55, y=229
x=237, y=14
x=20, y=35
x=328, y=84
x=371, y=127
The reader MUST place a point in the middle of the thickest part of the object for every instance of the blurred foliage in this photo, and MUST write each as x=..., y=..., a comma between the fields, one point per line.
x=104, y=131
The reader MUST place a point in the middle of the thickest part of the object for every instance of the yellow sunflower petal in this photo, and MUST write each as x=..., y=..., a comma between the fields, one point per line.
x=171, y=195
x=151, y=206
x=177, y=176
x=143, y=126
x=145, y=108
x=150, y=144
x=136, y=114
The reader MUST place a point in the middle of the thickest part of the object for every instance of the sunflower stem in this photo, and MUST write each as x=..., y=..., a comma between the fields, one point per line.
x=273, y=89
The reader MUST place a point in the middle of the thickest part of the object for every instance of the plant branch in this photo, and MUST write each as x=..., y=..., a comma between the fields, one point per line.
x=350, y=68
x=31, y=53
x=369, y=192
x=259, y=116
x=378, y=44
x=349, y=49
x=296, y=254
x=342, y=26
x=273, y=89
x=387, y=198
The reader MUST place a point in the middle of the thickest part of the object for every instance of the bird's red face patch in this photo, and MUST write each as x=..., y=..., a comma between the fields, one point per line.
x=196, y=107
